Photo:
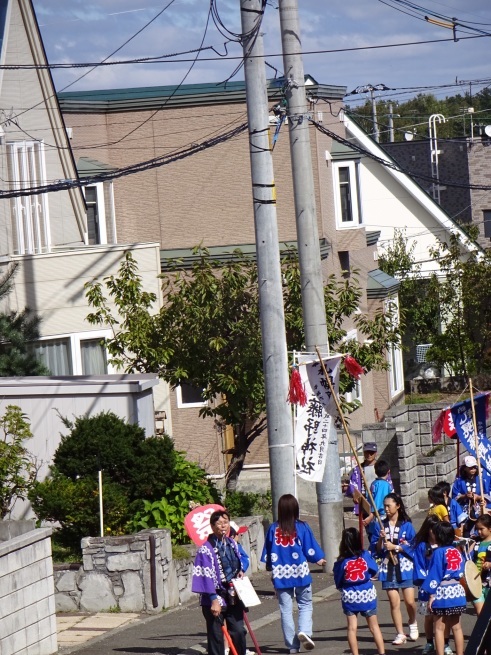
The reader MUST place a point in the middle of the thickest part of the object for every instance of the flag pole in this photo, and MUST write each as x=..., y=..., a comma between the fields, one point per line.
x=476, y=446
x=350, y=441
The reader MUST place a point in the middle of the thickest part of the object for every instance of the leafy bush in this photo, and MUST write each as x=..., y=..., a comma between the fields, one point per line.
x=240, y=503
x=146, y=483
x=17, y=469
x=145, y=467
x=190, y=486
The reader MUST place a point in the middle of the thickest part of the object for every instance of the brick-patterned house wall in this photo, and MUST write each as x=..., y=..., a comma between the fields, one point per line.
x=206, y=199
x=480, y=174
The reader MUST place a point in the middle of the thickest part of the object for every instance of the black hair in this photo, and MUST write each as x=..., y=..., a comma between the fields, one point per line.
x=402, y=514
x=217, y=514
x=465, y=473
x=444, y=533
x=436, y=496
x=485, y=520
x=423, y=533
x=444, y=486
x=288, y=513
x=381, y=468
x=350, y=545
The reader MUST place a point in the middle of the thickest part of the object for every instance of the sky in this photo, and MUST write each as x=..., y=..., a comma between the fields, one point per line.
x=76, y=31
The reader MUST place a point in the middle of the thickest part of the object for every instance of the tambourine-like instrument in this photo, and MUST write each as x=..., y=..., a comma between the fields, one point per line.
x=471, y=581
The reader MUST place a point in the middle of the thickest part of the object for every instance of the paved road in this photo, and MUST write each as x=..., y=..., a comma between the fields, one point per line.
x=181, y=630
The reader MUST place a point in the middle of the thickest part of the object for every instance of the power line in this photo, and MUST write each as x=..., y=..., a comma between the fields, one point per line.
x=156, y=162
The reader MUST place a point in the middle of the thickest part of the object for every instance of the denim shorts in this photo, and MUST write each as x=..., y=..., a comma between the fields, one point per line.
x=366, y=614
x=393, y=584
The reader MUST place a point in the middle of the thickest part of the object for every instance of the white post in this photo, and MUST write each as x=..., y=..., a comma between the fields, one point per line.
x=101, y=516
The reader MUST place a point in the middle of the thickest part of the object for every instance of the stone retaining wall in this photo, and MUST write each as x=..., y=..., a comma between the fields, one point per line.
x=116, y=572
x=406, y=442
x=27, y=603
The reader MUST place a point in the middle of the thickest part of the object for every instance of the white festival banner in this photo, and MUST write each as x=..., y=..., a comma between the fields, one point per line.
x=315, y=419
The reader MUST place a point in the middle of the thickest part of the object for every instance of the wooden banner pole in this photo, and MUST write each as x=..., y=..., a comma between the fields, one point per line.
x=476, y=446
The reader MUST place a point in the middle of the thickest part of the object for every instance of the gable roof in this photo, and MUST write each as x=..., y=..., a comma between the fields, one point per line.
x=414, y=190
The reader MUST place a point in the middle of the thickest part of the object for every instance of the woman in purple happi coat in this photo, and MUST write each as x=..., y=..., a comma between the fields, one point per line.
x=218, y=562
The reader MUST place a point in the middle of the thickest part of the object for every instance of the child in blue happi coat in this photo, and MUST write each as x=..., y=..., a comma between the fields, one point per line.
x=393, y=543
x=380, y=487
x=353, y=571
x=446, y=595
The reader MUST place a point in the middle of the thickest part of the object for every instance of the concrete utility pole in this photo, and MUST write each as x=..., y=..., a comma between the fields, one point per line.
x=275, y=356
x=376, y=132
x=329, y=496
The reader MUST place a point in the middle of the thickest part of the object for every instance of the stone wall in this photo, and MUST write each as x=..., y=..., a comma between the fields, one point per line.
x=117, y=572
x=27, y=603
x=405, y=441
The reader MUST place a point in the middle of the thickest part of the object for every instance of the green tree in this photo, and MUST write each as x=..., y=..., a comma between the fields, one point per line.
x=17, y=468
x=208, y=334
x=450, y=309
x=17, y=330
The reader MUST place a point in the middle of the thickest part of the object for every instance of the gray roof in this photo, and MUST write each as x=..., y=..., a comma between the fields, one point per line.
x=87, y=167
x=381, y=285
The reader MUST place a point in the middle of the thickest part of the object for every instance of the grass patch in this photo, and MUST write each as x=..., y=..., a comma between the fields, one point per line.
x=180, y=552
x=64, y=554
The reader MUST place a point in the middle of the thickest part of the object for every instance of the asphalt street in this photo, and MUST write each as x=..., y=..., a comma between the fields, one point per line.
x=182, y=630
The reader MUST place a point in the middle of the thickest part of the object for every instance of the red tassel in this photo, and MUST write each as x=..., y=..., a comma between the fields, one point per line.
x=352, y=367
x=296, y=393
x=437, y=428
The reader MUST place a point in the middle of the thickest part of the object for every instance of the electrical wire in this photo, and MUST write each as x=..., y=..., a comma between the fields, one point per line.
x=156, y=162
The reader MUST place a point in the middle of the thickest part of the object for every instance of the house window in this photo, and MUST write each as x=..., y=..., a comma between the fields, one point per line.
x=487, y=223
x=75, y=354
x=394, y=354
x=346, y=201
x=56, y=355
x=93, y=355
x=189, y=395
x=30, y=218
x=96, y=214
x=355, y=393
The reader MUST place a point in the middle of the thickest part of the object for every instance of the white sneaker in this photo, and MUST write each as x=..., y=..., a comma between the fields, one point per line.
x=448, y=650
x=306, y=641
x=413, y=631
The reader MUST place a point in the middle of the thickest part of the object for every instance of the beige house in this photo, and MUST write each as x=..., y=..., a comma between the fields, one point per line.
x=46, y=234
x=206, y=199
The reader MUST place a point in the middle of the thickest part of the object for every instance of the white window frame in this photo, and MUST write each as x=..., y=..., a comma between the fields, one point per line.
x=101, y=211
x=352, y=167
x=183, y=405
x=76, y=349
x=394, y=356
x=27, y=167
x=355, y=394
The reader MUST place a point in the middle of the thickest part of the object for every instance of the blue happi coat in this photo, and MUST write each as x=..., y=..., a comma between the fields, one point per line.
x=288, y=557
x=403, y=536
x=422, y=554
x=444, y=572
x=352, y=576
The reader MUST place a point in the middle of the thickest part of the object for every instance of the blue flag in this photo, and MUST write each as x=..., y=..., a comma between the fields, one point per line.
x=462, y=418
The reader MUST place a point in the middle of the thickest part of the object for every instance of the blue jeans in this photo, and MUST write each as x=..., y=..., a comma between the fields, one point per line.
x=303, y=596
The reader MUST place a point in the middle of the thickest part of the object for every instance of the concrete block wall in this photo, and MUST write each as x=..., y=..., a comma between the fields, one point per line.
x=405, y=441
x=27, y=603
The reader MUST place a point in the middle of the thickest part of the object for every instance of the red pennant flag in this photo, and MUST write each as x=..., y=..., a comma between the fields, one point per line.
x=352, y=367
x=448, y=424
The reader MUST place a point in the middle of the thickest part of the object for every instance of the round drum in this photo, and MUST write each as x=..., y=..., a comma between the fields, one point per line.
x=471, y=581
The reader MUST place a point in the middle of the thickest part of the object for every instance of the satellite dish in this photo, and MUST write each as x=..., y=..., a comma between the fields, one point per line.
x=487, y=130
x=409, y=136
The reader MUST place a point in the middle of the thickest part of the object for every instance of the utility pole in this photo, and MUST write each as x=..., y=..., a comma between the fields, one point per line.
x=391, y=124
x=376, y=132
x=329, y=498
x=275, y=356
